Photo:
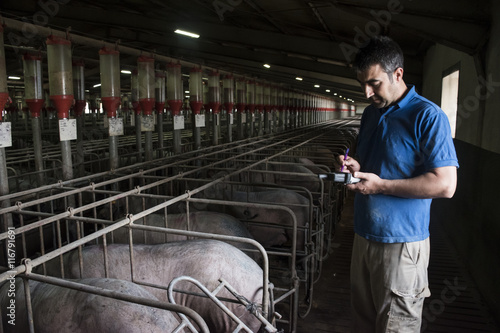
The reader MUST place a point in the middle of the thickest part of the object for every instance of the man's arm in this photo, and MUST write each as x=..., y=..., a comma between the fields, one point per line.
x=437, y=183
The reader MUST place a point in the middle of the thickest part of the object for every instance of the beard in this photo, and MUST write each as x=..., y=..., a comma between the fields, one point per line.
x=378, y=102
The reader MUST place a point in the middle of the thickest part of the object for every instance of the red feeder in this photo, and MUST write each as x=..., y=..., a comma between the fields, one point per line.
x=79, y=87
x=109, y=61
x=4, y=97
x=241, y=95
x=159, y=91
x=174, y=88
x=135, y=92
x=214, y=92
x=32, y=65
x=60, y=74
x=146, y=77
x=195, y=90
x=228, y=84
x=251, y=96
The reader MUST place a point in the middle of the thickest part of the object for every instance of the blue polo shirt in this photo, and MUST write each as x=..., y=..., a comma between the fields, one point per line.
x=404, y=141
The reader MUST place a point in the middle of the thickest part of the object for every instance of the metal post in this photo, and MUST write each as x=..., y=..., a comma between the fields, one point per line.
x=4, y=190
x=196, y=133
x=114, y=161
x=148, y=145
x=215, y=128
x=159, y=129
x=177, y=141
x=138, y=135
x=37, y=147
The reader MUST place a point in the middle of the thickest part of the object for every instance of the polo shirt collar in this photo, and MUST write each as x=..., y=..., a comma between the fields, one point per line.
x=408, y=97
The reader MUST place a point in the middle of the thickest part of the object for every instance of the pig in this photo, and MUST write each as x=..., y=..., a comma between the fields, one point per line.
x=267, y=236
x=309, y=180
x=204, y=260
x=62, y=310
x=204, y=221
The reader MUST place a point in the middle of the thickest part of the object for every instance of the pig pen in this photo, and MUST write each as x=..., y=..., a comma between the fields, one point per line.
x=180, y=183
x=84, y=237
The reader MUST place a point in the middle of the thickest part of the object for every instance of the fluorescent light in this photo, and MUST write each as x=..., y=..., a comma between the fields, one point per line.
x=14, y=78
x=267, y=65
x=186, y=92
x=97, y=85
x=316, y=86
x=124, y=71
x=298, y=78
x=327, y=90
x=187, y=33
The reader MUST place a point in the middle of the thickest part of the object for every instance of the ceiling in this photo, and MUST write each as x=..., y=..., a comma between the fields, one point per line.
x=311, y=39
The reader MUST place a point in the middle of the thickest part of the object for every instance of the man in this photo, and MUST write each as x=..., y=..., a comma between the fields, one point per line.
x=405, y=158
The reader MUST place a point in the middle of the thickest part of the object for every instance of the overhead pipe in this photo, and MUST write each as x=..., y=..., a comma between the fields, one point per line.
x=196, y=103
x=241, y=103
x=134, y=84
x=228, y=85
x=214, y=104
x=146, y=78
x=78, y=109
x=160, y=99
x=174, y=100
x=33, y=93
x=109, y=62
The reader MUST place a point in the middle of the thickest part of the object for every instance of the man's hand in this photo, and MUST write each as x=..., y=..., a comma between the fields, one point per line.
x=350, y=164
x=370, y=183
x=436, y=183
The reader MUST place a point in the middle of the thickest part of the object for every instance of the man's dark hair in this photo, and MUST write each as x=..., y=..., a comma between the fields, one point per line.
x=380, y=50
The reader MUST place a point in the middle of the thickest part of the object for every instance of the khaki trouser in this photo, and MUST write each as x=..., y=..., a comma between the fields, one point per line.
x=388, y=285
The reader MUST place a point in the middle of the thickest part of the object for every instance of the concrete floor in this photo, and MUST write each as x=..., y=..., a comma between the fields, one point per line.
x=443, y=312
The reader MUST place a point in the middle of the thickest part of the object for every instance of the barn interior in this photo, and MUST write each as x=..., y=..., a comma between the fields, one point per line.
x=73, y=173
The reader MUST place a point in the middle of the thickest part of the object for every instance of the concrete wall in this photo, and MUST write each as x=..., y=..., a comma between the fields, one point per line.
x=490, y=133
x=472, y=218
x=470, y=108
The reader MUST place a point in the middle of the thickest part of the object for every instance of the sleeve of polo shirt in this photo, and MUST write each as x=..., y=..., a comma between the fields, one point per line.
x=436, y=144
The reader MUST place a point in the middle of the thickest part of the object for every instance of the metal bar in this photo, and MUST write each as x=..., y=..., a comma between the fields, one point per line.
x=245, y=302
x=123, y=297
x=209, y=295
x=29, y=308
x=63, y=249
x=114, y=160
x=265, y=259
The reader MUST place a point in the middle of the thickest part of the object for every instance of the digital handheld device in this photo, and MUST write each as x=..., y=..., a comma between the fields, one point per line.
x=340, y=177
